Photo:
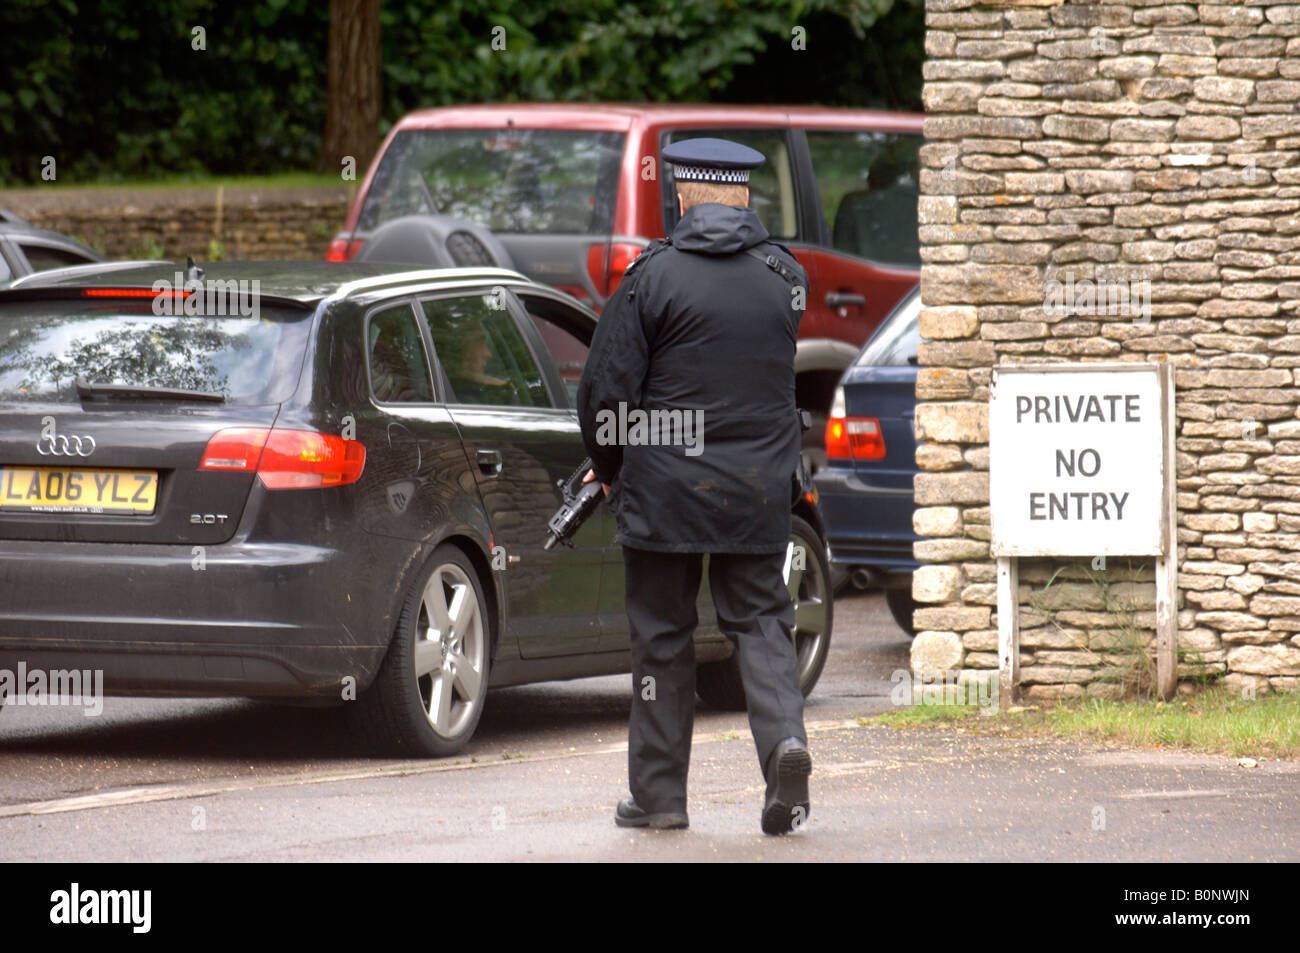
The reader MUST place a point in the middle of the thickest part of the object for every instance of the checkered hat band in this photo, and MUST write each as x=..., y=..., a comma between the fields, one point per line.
x=695, y=173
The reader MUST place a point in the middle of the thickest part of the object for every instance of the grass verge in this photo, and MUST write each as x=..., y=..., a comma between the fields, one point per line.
x=1214, y=721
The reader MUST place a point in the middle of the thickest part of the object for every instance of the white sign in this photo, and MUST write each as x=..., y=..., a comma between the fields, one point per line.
x=1077, y=460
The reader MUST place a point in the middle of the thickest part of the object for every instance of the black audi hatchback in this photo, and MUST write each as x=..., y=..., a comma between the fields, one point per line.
x=317, y=481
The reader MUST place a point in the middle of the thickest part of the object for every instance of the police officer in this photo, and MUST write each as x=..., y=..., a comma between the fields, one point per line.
x=704, y=322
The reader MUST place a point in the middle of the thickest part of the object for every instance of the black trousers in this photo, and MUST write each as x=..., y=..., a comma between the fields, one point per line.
x=754, y=611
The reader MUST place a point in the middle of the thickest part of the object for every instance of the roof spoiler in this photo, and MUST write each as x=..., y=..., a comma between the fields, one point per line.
x=38, y=279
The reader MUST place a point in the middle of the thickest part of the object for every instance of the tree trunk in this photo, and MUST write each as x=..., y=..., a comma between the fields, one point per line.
x=352, y=111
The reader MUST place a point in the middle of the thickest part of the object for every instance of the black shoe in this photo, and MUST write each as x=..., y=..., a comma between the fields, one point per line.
x=786, y=807
x=628, y=814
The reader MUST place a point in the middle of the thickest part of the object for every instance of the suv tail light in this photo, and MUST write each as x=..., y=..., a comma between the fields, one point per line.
x=343, y=249
x=286, y=459
x=606, y=264
x=852, y=438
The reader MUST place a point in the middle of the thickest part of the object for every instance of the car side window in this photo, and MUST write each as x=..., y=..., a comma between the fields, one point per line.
x=42, y=257
x=771, y=185
x=867, y=182
x=563, y=336
x=896, y=341
x=483, y=354
x=399, y=368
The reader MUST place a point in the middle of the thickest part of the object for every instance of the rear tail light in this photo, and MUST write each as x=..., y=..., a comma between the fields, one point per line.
x=606, y=264
x=286, y=459
x=343, y=249
x=852, y=438
x=865, y=439
x=236, y=448
x=596, y=266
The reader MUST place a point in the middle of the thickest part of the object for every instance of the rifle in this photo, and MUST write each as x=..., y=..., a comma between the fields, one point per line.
x=580, y=501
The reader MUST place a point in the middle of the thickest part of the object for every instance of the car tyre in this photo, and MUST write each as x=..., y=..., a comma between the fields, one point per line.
x=719, y=684
x=429, y=694
x=901, y=606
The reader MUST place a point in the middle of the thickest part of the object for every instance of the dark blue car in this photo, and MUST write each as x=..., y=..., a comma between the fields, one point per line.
x=866, y=485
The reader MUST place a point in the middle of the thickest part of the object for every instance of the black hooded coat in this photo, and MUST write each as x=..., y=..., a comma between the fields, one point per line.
x=699, y=334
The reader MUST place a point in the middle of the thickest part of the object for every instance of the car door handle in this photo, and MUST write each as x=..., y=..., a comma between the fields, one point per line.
x=489, y=461
x=844, y=299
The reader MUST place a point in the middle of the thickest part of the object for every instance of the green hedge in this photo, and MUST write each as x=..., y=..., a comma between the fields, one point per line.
x=113, y=89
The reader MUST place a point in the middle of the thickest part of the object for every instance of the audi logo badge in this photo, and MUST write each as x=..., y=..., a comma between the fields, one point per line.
x=53, y=444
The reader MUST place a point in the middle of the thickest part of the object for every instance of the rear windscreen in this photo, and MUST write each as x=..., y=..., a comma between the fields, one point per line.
x=45, y=346
x=514, y=181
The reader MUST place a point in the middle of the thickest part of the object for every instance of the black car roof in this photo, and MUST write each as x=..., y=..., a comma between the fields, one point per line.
x=306, y=282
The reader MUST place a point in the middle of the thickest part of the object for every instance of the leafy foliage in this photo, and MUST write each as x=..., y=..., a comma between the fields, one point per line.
x=114, y=89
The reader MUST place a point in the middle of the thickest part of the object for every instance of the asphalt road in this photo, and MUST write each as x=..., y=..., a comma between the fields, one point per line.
x=241, y=781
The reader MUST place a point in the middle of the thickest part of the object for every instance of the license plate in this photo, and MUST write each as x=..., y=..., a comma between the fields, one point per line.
x=56, y=490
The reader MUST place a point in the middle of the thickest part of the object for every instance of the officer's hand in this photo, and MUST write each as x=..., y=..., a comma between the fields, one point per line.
x=591, y=475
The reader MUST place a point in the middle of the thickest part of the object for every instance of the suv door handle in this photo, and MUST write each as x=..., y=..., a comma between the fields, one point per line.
x=844, y=299
x=489, y=461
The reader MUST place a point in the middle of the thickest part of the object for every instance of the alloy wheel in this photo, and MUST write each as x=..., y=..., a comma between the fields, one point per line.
x=810, y=592
x=450, y=650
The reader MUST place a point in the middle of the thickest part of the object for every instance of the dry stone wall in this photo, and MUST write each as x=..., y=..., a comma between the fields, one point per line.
x=229, y=223
x=1077, y=148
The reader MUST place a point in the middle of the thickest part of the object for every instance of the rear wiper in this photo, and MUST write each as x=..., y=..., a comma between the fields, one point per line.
x=86, y=389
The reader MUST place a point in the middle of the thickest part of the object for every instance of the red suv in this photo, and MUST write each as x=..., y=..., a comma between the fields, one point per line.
x=569, y=193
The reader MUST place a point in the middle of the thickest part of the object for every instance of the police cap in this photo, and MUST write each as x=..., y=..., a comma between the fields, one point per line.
x=712, y=160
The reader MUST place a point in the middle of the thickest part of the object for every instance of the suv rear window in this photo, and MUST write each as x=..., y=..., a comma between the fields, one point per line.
x=46, y=345
x=771, y=185
x=523, y=181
